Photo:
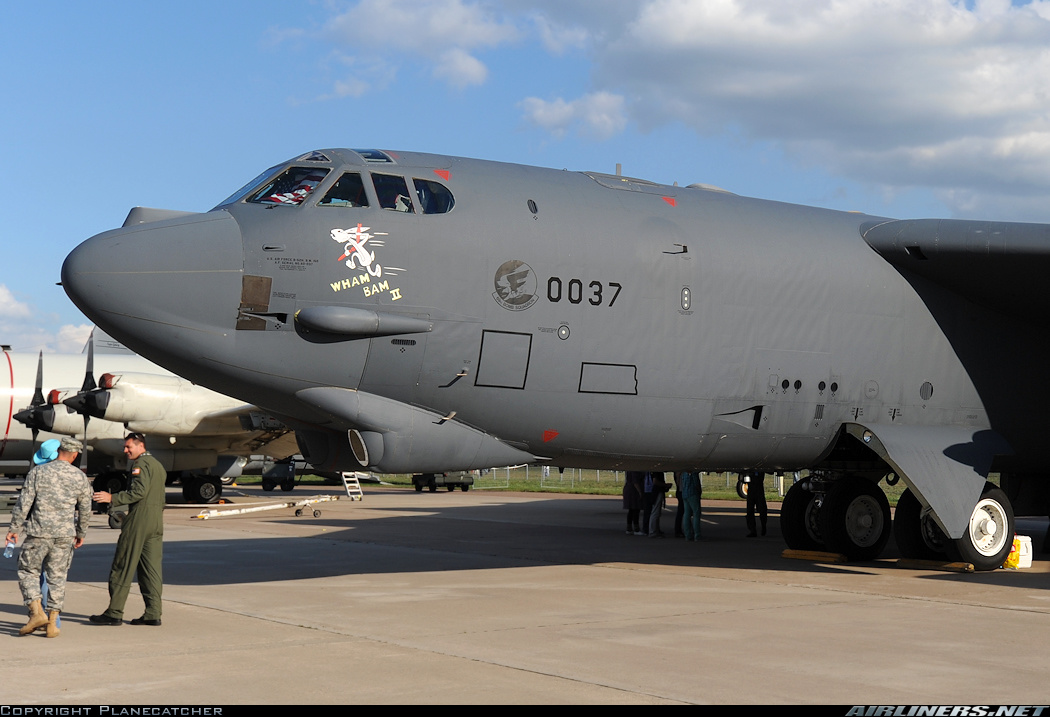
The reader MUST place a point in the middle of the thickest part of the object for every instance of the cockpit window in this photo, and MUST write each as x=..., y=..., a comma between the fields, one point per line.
x=374, y=156
x=314, y=156
x=249, y=187
x=290, y=187
x=434, y=198
x=392, y=192
x=349, y=191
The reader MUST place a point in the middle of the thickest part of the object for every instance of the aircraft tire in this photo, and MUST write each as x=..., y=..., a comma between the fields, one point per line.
x=799, y=519
x=985, y=550
x=741, y=488
x=110, y=482
x=918, y=537
x=201, y=489
x=855, y=518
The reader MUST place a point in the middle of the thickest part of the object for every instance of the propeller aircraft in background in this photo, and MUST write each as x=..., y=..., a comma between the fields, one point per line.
x=197, y=434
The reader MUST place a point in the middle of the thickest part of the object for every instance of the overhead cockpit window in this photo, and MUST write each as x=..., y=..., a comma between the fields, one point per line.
x=248, y=188
x=290, y=187
x=434, y=198
x=374, y=156
x=314, y=156
x=349, y=191
x=392, y=192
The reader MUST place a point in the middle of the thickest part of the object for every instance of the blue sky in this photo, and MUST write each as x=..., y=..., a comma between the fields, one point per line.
x=905, y=108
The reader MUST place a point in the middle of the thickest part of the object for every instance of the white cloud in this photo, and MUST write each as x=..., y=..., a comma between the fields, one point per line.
x=24, y=330
x=446, y=33
x=10, y=307
x=599, y=115
x=950, y=95
x=559, y=38
x=460, y=69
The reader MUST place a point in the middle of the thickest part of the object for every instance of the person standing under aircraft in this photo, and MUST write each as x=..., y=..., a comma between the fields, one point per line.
x=54, y=509
x=756, y=501
x=632, y=500
x=141, y=543
x=689, y=491
x=660, y=487
x=680, y=510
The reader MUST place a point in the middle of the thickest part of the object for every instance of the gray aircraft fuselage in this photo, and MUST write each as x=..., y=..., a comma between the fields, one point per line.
x=580, y=320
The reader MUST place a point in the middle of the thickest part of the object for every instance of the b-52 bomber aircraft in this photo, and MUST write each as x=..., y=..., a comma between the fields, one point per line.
x=411, y=312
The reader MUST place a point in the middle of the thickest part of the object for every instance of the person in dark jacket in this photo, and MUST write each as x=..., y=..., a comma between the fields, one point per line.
x=632, y=500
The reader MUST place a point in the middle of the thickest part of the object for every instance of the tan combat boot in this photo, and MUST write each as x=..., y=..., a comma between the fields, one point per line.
x=37, y=618
x=52, y=624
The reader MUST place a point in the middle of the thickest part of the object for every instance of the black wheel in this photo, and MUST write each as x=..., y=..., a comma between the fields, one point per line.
x=989, y=532
x=419, y=487
x=298, y=512
x=287, y=485
x=918, y=536
x=855, y=518
x=210, y=490
x=116, y=520
x=433, y=488
x=268, y=484
x=450, y=488
x=111, y=482
x=201, y=489
x=464, y=487
x=799, y=522
x=741, y=488
x=317, y=514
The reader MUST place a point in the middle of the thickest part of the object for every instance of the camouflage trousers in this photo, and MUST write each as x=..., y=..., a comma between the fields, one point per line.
x=50, y=555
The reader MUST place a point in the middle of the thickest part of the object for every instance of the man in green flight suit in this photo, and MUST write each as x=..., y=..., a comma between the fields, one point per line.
x=140, y=546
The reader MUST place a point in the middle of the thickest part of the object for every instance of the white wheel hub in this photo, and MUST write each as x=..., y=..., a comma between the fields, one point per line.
x=987, y=527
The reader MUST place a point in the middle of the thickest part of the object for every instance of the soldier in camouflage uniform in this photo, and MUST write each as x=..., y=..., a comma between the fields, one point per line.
x=45, y=512
x=141, y=544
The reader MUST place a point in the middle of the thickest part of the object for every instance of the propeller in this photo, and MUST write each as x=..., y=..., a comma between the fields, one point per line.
x=37, y=402
x=85, y=402
x=88, y=386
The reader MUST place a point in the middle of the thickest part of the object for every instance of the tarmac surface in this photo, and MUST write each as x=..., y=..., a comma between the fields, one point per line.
x=490, y=597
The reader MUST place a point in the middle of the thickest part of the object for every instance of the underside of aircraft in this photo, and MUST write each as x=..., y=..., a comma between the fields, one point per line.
x=409, y=312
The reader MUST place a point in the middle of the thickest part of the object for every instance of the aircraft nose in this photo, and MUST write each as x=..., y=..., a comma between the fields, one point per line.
x=141, y=279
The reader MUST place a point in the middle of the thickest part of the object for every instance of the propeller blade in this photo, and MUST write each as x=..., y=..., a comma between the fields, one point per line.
x=89, y=374
x=83, y=453
x=33, y=419
x=38, y=393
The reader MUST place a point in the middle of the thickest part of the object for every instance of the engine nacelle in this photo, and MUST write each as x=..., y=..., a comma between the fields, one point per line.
x=155, y=403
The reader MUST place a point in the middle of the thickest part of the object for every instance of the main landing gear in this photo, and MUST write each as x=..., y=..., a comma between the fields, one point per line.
x=850, y=515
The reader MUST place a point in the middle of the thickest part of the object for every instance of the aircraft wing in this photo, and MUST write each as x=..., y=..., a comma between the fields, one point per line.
x=999, y=265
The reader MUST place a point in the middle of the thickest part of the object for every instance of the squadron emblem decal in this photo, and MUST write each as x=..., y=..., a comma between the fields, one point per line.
x=515, y=286
x=357, y=257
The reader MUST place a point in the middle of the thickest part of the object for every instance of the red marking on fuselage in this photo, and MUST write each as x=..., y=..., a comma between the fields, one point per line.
x=11, y=404
x=443, y=173
x=671, y=201
x=549, y=436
